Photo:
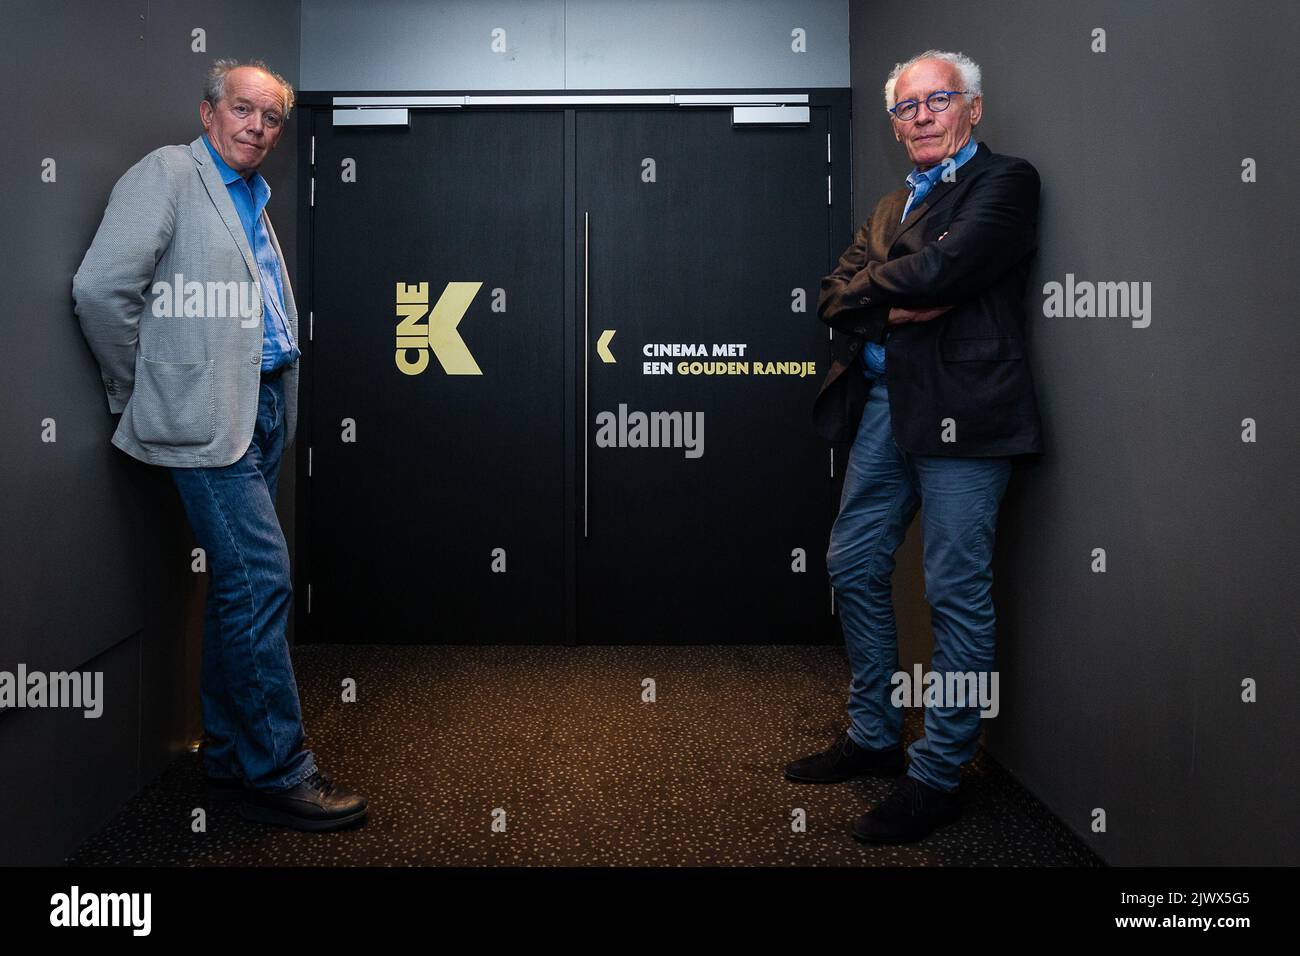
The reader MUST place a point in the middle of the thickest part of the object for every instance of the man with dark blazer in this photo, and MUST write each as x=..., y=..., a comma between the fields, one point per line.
x=930, y=381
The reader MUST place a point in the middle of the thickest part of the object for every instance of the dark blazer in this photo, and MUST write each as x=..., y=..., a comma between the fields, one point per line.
x=968, y=244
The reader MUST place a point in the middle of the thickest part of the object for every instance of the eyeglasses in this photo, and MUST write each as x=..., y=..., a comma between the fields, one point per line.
x=936, y=102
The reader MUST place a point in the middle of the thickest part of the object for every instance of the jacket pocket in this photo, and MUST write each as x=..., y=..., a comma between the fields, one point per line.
x=174, y=403
x=934, y=226
x=987, y=348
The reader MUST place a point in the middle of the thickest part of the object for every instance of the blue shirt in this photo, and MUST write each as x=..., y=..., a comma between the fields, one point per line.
x=873, y=356
x=250, y=198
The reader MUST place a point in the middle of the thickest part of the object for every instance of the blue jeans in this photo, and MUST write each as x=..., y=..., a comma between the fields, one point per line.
x=883, y=488
x=251, y=714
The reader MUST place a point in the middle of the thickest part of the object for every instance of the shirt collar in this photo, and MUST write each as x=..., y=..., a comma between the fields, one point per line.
x=256, y=182
x=935, y=171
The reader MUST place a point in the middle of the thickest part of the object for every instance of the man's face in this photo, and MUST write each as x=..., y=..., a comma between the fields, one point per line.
x=246, y=124
x=932, y=137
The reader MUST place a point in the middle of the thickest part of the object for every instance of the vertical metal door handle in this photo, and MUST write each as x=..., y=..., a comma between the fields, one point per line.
x=586, y=352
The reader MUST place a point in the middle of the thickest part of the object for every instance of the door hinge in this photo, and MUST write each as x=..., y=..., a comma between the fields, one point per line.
x=308, y=597
x=312, y=158
x=308, y=461
x=311, y=201
x=832, y=462
x=311, y=324
x=828, y=190
x=828, y=147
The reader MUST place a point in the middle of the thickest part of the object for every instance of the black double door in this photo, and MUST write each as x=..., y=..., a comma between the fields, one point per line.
x=559, y=376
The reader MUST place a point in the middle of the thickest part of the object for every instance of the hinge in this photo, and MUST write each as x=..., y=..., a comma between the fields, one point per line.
x=311, y=324
x=832, y=602
x=828, y=147
x=828, y=190
x=832, y=462
x=312, y=160
x=308, y=461
x=312, y=200
x=309, y=597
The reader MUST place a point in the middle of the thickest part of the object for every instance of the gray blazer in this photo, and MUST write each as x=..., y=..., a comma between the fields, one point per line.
x=185, y=384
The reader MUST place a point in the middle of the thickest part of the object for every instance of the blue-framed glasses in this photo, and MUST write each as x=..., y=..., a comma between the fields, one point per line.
x=936, y=102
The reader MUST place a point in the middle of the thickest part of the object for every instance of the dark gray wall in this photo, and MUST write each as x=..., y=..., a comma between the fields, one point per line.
x=1122, y=690
x=94, y=573
x=572, y=44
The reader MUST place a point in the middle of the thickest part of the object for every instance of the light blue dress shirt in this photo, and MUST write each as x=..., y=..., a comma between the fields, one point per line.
x=873, y=356
x=250, y=199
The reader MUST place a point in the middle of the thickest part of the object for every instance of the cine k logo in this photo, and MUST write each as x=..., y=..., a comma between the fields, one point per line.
x=439, y=334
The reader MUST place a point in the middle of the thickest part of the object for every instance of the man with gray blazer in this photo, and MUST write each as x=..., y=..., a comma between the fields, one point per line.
x=185, y=301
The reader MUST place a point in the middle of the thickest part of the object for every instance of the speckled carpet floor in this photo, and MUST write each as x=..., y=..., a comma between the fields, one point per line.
x=585, y=771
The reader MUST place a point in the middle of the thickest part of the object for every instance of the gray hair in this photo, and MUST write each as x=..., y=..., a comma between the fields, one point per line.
x=967, y=68
x=214, y=85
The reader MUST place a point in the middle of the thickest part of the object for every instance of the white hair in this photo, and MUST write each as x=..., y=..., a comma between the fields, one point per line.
x=214, y=84
x=967, y=68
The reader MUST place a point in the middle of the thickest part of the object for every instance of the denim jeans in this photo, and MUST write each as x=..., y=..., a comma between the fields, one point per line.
x=883, y=488
x=251, y=713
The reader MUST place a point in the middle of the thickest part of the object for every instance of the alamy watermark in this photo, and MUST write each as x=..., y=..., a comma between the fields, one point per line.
x=624, y=429
x=1104, y=300
x=77, y=690
x=946, y=689
x=75, y=908
x=235, y=299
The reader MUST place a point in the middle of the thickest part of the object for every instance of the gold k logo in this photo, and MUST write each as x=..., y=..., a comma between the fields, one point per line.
x=439, y=335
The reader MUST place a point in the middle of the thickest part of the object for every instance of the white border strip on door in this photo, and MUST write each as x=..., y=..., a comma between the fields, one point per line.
x=373, y=117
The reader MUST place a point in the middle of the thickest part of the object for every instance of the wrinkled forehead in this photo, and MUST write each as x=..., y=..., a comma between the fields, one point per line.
x=258, y=88
x=921, y=79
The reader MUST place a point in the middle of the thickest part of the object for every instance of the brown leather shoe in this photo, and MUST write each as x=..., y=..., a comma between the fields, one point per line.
x=317, y=803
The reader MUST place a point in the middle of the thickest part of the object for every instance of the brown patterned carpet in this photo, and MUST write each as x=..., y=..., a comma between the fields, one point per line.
x=587, y=774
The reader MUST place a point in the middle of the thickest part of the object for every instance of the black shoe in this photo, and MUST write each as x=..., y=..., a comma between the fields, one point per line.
x=316, y=803
x=845, y=760
x=909, y=813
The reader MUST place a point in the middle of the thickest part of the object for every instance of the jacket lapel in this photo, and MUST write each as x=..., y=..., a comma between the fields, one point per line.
x=941, y=191
x=220, y=197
